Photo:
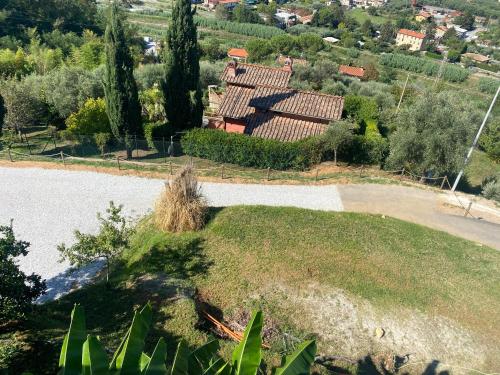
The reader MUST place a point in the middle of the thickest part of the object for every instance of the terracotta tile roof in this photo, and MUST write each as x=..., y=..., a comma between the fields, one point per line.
x=253, y=75
x=425, y=14
x=235, y=103
x=302, y=103
x=412, y=33
x=274, y=126
x=352, y=71
x=476, y=57
x=237, y=52
x=228, y=1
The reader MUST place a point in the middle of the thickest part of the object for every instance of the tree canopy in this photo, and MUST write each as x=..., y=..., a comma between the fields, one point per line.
x=17, y=290
x=433, y=134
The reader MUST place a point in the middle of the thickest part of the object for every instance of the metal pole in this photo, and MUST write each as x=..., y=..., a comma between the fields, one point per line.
x=467, y=158
x=403, y=92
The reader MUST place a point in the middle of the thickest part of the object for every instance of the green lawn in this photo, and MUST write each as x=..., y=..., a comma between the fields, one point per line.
x=245, y=252
x=362, y=15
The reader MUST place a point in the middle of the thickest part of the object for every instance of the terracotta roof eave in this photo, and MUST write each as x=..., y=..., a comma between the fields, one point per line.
x=296, y=113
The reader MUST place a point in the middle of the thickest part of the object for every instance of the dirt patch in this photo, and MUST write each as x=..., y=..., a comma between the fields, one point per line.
x=346, y=325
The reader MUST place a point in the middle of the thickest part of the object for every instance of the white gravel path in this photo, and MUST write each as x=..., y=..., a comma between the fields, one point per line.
x=48, y=205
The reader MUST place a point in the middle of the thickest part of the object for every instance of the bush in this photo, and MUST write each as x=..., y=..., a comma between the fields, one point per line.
x=491, y=190
x=17, y=290
x=360, y=107
x=249, y=151
x=181, y=206
x=258, y=49
x=488, y=86
x=156, y=130
x=90, y=119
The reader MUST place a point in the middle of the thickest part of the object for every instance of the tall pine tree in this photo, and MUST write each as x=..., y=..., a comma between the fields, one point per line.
x=122, y=100
x=181, y=86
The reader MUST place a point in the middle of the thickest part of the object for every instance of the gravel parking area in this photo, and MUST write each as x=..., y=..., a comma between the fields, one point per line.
x=47, y=205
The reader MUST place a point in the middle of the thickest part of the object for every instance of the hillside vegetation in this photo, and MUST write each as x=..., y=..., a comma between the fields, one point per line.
x=336, y=276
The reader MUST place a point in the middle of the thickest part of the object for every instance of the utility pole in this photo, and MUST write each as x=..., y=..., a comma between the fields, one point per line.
x=403, y=92
x=467, y=158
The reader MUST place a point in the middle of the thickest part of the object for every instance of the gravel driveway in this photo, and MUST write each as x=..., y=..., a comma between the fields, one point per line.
x=47, y=205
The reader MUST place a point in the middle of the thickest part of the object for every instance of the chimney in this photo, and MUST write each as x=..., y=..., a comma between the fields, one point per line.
x=288, y=67
x=231, y=68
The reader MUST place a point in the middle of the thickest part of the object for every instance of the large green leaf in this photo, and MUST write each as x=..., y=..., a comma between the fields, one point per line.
x=225, y=370
x=201, y=358
x=144, y=361
x=248, y=354
x=94, y=358
x=214, y=367
x=127, y=359
x=300, y=361
x=181, y=360
x=70, y=359
x=156, y=365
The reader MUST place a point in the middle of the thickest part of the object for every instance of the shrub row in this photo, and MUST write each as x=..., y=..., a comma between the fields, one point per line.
x=421, y=65
x=249, y=29
x=248, y=151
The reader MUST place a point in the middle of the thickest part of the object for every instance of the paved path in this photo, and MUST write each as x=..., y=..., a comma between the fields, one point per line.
x=47, y=205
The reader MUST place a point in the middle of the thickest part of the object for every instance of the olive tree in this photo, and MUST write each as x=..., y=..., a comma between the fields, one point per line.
x=107, y=244
x=338, y=134
x=431, y=136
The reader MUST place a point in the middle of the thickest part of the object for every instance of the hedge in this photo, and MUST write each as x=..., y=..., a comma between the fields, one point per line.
x=421, y=65
x=249, y=151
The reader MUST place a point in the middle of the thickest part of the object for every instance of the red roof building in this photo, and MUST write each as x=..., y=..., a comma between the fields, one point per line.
x=258, y=102
x=237, y=53
x=411, y=38
x=351, y=71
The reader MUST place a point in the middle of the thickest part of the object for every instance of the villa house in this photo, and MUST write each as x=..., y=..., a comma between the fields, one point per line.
x=239, y=54
x=352, y=71
x=258, y=102
x=413, y=39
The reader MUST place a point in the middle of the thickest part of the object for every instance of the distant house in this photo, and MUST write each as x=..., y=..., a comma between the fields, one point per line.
x=440, y=31
x=281, y=60
x=369, y=3
x=259, y=103
x=285, y=19
x=331, y=39
x=411, y=38
x=239, y=54
x=423, y=16
x=152, y=48
x=229, y=4
x=352, y=71
x=477, y=57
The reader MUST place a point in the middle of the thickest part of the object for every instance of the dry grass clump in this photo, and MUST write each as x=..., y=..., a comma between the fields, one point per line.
x=181, y=206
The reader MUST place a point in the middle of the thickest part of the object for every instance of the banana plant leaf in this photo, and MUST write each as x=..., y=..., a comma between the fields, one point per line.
x=156, y=365
x=144, y=361
x=127, y=358
x=70, y=359
x=181, y=360
x=214, y=367
x=248, y=354
x=201, y=358
x=300, y=361
x=94, y=358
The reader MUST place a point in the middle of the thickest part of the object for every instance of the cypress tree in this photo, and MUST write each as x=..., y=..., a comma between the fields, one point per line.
x=2, y=113
x=122, y=100
x=181, y=86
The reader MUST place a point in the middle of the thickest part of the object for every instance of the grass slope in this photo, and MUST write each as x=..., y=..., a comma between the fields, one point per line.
x=245, y=250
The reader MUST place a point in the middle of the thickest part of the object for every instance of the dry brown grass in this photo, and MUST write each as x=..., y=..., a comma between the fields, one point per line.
x=181, y=206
